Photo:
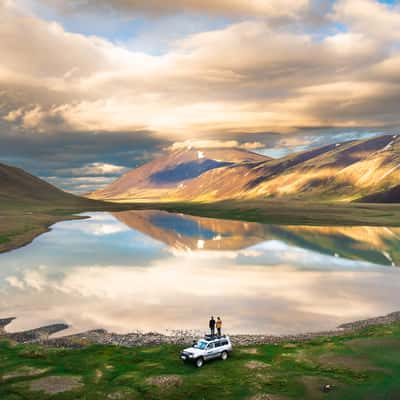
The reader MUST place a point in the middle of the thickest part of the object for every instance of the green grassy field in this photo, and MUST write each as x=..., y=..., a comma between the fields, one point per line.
x=294, y=212
x=363, y=365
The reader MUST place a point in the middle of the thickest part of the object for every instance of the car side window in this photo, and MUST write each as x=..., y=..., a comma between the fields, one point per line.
x=218, y=344
x=210, y=346
x=224, y=343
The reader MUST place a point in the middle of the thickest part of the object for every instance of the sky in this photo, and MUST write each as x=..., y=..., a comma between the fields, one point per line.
x=90, y=89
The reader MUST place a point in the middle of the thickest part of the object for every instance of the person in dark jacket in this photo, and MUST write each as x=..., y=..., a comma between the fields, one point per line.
x=211, y=324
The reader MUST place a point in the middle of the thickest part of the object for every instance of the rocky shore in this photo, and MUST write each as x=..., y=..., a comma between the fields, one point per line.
x=42, y=335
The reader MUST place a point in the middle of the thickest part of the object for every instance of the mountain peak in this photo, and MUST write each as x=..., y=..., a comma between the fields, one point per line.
x=171, y=171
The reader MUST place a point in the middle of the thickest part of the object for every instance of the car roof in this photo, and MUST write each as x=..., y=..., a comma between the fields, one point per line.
x=209, y=340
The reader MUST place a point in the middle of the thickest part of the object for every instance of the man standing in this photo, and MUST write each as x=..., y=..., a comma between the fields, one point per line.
x=219, y=326
x=211, y=324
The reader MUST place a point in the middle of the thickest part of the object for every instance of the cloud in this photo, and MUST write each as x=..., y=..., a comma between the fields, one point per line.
x=66, y=155
x=369, y=17
x=296, y=297
x=227, y=84
x=79, y=185
x=210, y=143
x=270, y=8
x=94, y=169
x=201, y=85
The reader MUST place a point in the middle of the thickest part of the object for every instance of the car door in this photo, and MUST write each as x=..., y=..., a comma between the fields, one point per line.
x=210, y=351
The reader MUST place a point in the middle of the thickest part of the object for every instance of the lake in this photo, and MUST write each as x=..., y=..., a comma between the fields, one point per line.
x=156, y=271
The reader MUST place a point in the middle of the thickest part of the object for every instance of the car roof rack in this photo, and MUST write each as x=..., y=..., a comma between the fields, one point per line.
x=213, y=337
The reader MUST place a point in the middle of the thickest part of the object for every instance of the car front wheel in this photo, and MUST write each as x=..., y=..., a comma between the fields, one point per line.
x=199, y=362
x=224, y=355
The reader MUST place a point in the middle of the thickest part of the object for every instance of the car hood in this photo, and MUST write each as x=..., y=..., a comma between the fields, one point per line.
x=194, y=351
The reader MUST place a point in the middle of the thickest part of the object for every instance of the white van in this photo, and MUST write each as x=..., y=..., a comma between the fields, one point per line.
x=206, y=349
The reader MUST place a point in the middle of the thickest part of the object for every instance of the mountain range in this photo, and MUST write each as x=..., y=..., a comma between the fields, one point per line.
x=358, y=170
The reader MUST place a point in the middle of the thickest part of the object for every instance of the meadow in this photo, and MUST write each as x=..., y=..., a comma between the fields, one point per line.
x=360, y=365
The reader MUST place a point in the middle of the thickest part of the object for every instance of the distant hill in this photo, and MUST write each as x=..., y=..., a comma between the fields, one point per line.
x=350, y=171
x=18, y=186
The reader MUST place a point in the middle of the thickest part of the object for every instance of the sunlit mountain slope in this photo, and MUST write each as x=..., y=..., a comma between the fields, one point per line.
x=343, y=172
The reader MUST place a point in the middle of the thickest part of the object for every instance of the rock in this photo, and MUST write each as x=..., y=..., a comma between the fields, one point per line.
x=181, y=338
x=327, y=387
x=38, y=334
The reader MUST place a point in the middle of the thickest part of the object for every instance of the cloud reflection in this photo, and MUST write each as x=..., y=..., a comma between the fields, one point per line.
x=267, y=287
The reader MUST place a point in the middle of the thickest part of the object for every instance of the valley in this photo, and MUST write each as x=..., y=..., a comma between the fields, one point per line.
x=339, y=184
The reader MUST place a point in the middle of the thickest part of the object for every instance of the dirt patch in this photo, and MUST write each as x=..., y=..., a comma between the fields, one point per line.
x=343, y=361
x=265, y=396
x=165, y=381
x=151, y=365
x=122, y=394
x=98, y=375
x=155, y=349
x=132, y=376
x=289, y=346
x=25, y=371
x=253, y=364
x=391, y=344
x=249, y=351
x=56, y=384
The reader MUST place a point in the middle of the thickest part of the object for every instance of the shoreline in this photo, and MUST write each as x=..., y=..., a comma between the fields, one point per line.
x=39, y=219
x=42, y=335
x=18, y=240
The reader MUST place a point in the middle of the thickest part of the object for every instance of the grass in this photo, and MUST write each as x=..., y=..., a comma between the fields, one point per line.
x=281, y=212
x=21, y=222
x=361, y=365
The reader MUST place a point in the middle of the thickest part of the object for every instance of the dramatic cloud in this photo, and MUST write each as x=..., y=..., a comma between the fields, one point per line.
x=369, y=17
x=250, y=78
x=270, y=8
x=209, y=143
x=94, y=169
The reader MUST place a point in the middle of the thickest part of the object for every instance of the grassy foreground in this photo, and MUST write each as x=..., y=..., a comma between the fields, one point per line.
x=20, y=223
x=364, y=365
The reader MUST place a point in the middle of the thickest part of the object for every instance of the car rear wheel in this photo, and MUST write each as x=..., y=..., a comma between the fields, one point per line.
x=224, y=355
x=199, y=362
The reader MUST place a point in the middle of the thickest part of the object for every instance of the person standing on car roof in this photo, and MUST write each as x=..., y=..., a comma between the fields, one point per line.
x=219, y=326
x=211, y=324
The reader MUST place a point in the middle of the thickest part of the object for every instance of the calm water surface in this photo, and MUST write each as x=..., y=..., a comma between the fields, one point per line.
x=151, y=270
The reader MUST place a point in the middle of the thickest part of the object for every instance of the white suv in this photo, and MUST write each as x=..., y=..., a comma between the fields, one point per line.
x=206, y=349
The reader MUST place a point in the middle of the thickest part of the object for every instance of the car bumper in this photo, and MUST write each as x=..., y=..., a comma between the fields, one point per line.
x=185, y=357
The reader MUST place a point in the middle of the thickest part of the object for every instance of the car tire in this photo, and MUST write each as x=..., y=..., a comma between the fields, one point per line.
x=199, y=362
x=224, y=355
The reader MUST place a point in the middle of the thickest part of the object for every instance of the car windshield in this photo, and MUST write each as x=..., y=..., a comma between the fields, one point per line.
x=201, y=345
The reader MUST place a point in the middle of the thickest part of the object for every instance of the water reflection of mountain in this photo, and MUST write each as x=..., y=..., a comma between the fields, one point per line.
x=187, y=232
x=379, y=245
